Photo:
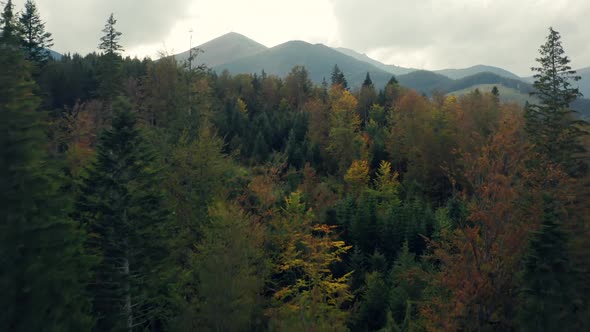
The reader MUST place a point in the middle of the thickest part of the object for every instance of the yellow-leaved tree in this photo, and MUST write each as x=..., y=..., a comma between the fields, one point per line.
x=308, y=296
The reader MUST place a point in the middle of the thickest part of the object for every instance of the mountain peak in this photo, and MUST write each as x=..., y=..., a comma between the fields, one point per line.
x=225, y=48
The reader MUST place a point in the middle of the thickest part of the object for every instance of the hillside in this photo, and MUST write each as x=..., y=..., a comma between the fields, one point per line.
x=224, y=49
x=428, y=82
x=318, y=59
x=396, y=70
x=425, y=81
x=464, y=72
x=507, y=94
x=584, y=83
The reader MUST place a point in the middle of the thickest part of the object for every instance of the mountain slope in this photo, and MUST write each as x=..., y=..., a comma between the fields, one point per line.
x=584, y=83
x=396, y=70
x=428, y=82
x=318, y=59
x=464, y=72
x=227, y=48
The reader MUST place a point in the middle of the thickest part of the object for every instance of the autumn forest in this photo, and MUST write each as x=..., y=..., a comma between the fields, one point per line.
x=160, y=195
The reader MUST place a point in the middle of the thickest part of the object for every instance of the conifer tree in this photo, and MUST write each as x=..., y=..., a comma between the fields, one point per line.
x=110, y=67
x=548, y=296
x=8, y=22
x=551, y=124
x=338, y=78
x=42, y=268
x=121, y=207
x=35, y=40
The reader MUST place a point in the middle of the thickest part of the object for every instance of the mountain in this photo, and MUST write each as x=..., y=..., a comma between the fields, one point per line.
x=318, y=59
x=54, y=55
x=425, y=81
x=464, y=72
x=428, y=82
x=224, y=49
x=507, y=94
x=396, y=70
x=584, y=83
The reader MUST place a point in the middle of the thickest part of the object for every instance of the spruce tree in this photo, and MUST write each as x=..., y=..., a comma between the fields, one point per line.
x=110, y=65
x=547, y=294
x=35, y=40
x=552, y=125
x=338, y=78
x=122, y=208
x=9, y=34
x=42, y=268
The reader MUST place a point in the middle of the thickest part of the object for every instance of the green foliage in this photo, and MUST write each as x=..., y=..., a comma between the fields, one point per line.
x=110, y=64
x=548, y=294
x=338, y=78
x=229, y=270
x=35, y=40
x=42, y=267
x=10, y=34
x=121, y=206
x=553, y=128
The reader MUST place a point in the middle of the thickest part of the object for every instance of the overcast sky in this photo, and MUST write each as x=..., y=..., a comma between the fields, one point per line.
x=428, y=34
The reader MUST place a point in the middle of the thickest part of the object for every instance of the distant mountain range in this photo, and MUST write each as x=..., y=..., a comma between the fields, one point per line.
x=240, y=54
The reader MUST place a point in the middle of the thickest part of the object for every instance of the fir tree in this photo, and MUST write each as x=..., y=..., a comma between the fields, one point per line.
x=121, y=206
x=42, y=269
x=35, y=40
x=338, y=78
x=551, y=124
x=110, y=66
x=547, y=295
x=9, y=34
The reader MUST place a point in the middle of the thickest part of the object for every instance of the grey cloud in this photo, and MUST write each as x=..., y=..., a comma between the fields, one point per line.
x=76, y=24
x=459, y=33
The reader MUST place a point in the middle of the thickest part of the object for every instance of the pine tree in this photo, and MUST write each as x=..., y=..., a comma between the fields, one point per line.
x=110, y=66
x=338, y=78
x=552, y=125
x=121, y=207
x=9, y=34
x=547, y=295
x=42, y=269
x=35, y=40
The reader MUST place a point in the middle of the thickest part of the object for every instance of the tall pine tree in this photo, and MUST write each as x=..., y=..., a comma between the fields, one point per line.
x=41, y=262
x=121, y=207
x=35, y=40
x=551, y=124
x=110, y=65
x=547, y=291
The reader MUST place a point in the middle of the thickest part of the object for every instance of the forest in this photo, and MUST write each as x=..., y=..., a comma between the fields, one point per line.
x=154, y=195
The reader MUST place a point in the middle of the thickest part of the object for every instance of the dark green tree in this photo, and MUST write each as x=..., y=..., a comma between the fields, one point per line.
x=42, y=268
x=121, y=206
x=551, y=124
x=372, y=314
x=9, y=34
x=548, y=294
x=338, y=78
x=110, y=67
x=367, y=97
x=35, y=40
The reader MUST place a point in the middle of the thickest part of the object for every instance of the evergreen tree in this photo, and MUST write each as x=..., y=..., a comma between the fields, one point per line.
x=368, y=81
x=9, y=34
x=338, y=78
x=35, y=40
x=548, y=296
x=110, y=67
x=121, y=206
x=551, y=124
x=42, y=269
x=109, y=42
x=373, y=310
